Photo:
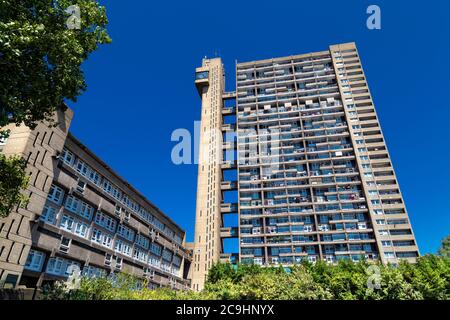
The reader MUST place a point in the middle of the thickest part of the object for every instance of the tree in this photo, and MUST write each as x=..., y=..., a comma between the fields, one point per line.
x=13, y=179
x=426, y=279
x=42, y=48
x=444, y=250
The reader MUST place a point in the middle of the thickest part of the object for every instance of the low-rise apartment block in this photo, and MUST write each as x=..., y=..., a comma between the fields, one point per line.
x=83, y=217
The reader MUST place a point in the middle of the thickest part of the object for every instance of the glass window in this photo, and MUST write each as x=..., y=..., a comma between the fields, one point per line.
x=66, y=222
x=55, y=194
x=201, y=75
x=48, y=214
x=35, y=260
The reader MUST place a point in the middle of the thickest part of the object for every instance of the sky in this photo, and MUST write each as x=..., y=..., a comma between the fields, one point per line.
x=141, y=88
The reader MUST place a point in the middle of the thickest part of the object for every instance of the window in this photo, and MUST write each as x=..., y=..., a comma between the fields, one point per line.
x=101, y=238
x=154, y=261
x=105, y=221
x=155, y=248
x=81, y=186
x=61, y=267
x=79, y=207
x=93, y=272
x=72, y=204
x=81, y=229
x=55, y=194
x=108, y=259
x=125, y=232
x=48, y=214
x=149, y=273
x=64, y=246
x=381, y=222
x=87, y=172
x=389, y=254
x=386, y=243
x=118, y=263
x=122, y=247
x=177, y=260
x=66, y=222
x=35, y=260
x=177, y=239
x=140, y=255
x=167, y=255
x=127, y=216
x=142, y=241
x=412, y=254
x=158, y=224
x=201, y=75
x=67, y=157
x=404, y=243
x=86, y=210
x=10, y=281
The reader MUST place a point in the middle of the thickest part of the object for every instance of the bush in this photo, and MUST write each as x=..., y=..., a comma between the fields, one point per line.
x=427, y=279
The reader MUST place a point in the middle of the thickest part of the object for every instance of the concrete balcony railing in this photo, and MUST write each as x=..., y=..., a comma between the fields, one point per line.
x=229, y=95
x=229, y=257
x=229, y=145
x=228, y=185
x=228, y=127
x=229, y=165
x=229, y=232
x=229, y=208
x=229, y=111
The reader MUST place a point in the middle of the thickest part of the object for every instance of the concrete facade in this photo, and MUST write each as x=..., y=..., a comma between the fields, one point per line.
x=314, y=176
x=83, y=217
x=208, y=244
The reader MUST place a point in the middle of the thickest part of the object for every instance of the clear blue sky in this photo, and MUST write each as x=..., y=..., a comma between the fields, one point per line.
x=140, y=88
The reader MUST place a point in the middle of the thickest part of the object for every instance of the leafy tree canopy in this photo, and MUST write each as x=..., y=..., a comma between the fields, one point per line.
x=444, y=250
x=42, y=48
x=429, y=278
x=13, y=179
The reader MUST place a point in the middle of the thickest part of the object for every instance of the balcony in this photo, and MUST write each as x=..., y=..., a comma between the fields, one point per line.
x=229, y=145
x=229, y=165
x=229, y=95
x=228, y=185
x=231, y=111
x=201, y=79
x=228, y=127
x=229, y=208
x=229, y=257
x=229, y=232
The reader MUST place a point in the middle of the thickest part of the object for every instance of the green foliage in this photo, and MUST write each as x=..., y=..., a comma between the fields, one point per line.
x=13, y=179
x=40, y=57
x=430, y=276
x=427, y=279
x=444, y=250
